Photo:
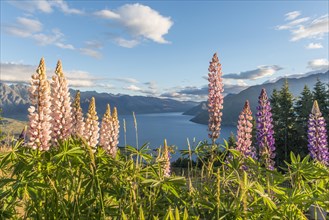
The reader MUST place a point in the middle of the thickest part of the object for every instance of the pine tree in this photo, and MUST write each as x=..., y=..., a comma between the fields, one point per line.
x=275, y=106
x=276, y=114
x=321, y=94
x=284, y=123
x=303, y=108
x=231, y=141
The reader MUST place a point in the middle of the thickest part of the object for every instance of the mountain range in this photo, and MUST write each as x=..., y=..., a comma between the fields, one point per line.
x=14, y=101
x=233, y=103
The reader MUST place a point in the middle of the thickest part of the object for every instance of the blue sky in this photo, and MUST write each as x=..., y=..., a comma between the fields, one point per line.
x=163, y=48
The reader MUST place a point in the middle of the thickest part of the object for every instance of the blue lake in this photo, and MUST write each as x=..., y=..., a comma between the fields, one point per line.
x=175, y=127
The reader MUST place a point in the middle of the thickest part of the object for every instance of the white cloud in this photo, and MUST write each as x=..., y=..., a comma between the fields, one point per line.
x=126, y=80
x=32, y=6
x=24, y=27
x=65, y=46
x=32, y=28
x=133, y=88
x=314, y=46
x=147, y=91
x=140, y=22
x=14, y=72
x=30, y=24
x=316, y=29
x=21, y=73
x=107, y=14
x=45, y=6
x=260, y=72
x=94, y=44
x=305, y=27
x=234, y=82
x=292, y=24
x=91, y=52
x=49, y=39
x=63, y=6
x=318, y=64
x=126, y=43
x=292, y=15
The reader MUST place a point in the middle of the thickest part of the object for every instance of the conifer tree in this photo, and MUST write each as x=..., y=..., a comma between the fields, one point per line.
x=231, y=141
x=321, y=94
x=284, y=123
x=302, y=108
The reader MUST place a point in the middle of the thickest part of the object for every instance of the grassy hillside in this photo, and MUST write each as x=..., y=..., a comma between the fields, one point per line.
x=11, y=126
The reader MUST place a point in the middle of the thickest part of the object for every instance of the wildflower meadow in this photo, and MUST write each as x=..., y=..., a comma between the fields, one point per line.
x=70, y=164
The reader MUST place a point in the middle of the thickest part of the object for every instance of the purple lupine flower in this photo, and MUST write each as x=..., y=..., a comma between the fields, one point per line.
x=109, y=133
x=39, y=130
x=244, y=133
x=265, y=139
x=61, y=110
x=317, y=135
x=215, y=98
x=78, y=124
x=92, y=125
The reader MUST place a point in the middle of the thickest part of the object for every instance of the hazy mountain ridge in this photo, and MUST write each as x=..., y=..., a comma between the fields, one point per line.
x=14, y=101
x=233, y=103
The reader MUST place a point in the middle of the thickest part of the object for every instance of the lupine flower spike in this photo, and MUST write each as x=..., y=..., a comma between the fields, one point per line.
x=317, y=136
x=61, y=111
x=166, y=160
x=114, y=133
x=244, y=143
x=215, y=98
x=109, y=134
x=265, y=139
x=92, y=125
x=39, y=112
x=78, y=125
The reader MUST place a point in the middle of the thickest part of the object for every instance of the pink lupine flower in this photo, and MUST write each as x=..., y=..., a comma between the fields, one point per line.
x=215, y=98
x=92, y=125
x=166, y=159
x=317, y=135
x=78, y=125
x=109, y=134
x=244, y=143
x=39, y=131
x=114, y=132
x=61, y=111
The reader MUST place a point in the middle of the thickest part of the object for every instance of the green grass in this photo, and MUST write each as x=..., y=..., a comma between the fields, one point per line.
x=12, y=126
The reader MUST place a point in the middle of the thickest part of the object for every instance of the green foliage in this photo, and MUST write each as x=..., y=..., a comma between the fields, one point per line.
x=1, y=132
x=231, y=141
x=284, y=123
x=72, y=182
x=303, y=108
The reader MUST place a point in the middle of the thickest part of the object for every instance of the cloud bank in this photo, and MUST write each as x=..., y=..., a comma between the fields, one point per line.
x=260, y=72
x=305, y=28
